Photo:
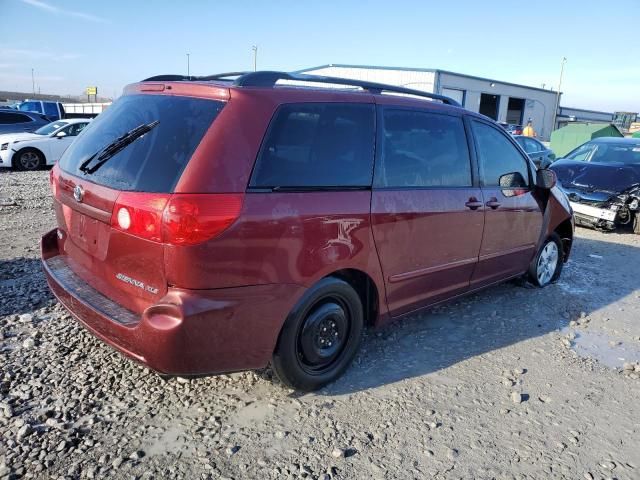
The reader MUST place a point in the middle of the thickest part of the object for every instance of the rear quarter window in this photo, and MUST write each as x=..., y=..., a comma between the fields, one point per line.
x=317, y=145
x=155, y=161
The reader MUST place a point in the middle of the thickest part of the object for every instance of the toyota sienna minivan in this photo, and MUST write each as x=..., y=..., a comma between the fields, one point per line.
x=224, y=223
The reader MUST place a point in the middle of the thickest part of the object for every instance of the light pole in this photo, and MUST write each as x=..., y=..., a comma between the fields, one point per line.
x=255, y=57
x=555, y=116
x=33, y=83
x=188, y=67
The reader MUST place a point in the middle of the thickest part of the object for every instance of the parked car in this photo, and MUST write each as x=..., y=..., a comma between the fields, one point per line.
x=538, y=153
x=51, y=110
x=12, y=121
x=602, y=180
x=512, y=128
x=31, y=151
x=209, y=226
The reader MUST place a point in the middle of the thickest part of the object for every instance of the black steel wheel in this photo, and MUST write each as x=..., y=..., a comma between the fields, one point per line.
x=320, y=336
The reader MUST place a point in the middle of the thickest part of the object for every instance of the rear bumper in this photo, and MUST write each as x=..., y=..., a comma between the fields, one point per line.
x=188, y=332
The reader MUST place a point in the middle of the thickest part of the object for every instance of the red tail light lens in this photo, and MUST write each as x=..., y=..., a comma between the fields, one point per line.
x=53, y=180
x=140, y=214
x=194, y=218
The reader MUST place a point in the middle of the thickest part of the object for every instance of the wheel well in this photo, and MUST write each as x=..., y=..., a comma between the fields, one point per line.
x=366, y=288
x=565, y=232
x=15, y=155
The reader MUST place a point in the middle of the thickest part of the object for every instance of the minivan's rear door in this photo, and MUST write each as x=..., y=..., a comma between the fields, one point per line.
x=126, y=263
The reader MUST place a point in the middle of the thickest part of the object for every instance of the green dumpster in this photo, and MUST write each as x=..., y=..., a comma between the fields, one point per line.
x=636, y=135
x=573, y=135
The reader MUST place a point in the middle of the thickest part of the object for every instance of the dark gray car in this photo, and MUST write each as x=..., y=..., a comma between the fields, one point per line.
x=12, y=121
x=538, y=153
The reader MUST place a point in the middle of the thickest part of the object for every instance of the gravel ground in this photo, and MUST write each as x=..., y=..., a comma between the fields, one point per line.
x=510, y=383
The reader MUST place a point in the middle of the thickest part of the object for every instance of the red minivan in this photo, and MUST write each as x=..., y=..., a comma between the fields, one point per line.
x=212, y=224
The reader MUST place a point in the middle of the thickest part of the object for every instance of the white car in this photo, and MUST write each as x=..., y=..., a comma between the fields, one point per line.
x=45, y=146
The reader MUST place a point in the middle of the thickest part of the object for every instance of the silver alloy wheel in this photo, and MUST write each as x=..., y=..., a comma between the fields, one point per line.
x=547, y=263
x=29, y=160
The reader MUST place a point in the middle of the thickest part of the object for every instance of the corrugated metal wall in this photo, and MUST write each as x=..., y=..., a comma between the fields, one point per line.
x=423, y=81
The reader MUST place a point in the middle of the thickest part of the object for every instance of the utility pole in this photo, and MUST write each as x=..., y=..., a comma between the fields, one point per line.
x=188, y=67
x=255, y=57
x=555, y=115
x=33, y=83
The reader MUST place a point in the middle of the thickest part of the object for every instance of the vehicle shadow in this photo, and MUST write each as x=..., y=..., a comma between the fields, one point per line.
x=23, y=287
x=598, y=274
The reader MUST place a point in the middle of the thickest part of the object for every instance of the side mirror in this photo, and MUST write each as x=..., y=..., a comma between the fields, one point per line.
x=61, y=134
x=546, y=179
x=512, y=180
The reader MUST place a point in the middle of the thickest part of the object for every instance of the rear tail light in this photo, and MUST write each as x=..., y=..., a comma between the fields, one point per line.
x=53, y=180
x=194, y=218
x=180, y=219
x=140, y=214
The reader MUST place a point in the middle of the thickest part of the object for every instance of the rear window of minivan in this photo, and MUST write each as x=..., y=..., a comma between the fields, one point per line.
x=153, y=162
x=317, y=145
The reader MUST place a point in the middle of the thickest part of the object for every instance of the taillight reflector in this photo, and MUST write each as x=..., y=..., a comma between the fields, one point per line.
x=179, y=219
x=193, y=218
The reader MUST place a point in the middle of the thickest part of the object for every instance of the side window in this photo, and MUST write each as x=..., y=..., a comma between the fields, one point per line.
x=497, y=156
x=11, y=118
x=51, y=109
x=74, y=129
x=422, y=149
x=32, y=106
x=317, y=145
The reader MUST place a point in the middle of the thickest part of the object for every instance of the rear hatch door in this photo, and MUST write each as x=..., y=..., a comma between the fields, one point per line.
x=126, y=265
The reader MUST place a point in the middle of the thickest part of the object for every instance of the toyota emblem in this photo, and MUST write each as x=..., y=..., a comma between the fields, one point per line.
x=78, y=193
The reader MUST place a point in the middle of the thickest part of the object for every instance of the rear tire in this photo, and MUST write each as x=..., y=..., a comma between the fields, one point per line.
x=320, y=337
x=28, y=159
x=547, y=266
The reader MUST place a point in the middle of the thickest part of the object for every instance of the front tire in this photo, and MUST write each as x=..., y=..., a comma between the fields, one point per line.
x=547, y=266
x=320, y=337
x=28, y=159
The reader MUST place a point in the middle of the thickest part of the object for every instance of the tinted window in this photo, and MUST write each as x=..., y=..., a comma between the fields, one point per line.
x=423, y=150
x=51, y=109
x=155, y=161
x=317, y=145
x=11, y=118
x=497, y=156
x=30, y=107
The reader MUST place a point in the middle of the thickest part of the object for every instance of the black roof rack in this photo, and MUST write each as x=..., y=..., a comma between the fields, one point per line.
x=269, y=79
x=192, y=78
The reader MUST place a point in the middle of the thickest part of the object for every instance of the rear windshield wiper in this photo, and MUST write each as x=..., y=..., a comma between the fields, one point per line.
x=114, y=147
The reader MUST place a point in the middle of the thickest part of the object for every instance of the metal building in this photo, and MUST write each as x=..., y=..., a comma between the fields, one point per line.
x=502, y=101
x=568, y=115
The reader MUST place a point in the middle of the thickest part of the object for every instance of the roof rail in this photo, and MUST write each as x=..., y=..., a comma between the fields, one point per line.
x=192, y=78
x=269, y=79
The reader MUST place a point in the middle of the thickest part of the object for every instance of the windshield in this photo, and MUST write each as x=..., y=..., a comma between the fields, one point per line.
x=30, y=107
x=155, y=161
x=617, y=153
x=50, y=128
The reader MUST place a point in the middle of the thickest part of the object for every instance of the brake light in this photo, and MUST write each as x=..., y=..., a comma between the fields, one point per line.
x=180, y=219
x=140, y=214
x=53, y=180
x=193, y=218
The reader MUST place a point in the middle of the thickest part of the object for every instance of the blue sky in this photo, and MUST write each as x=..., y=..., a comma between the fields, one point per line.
x=72, y=44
